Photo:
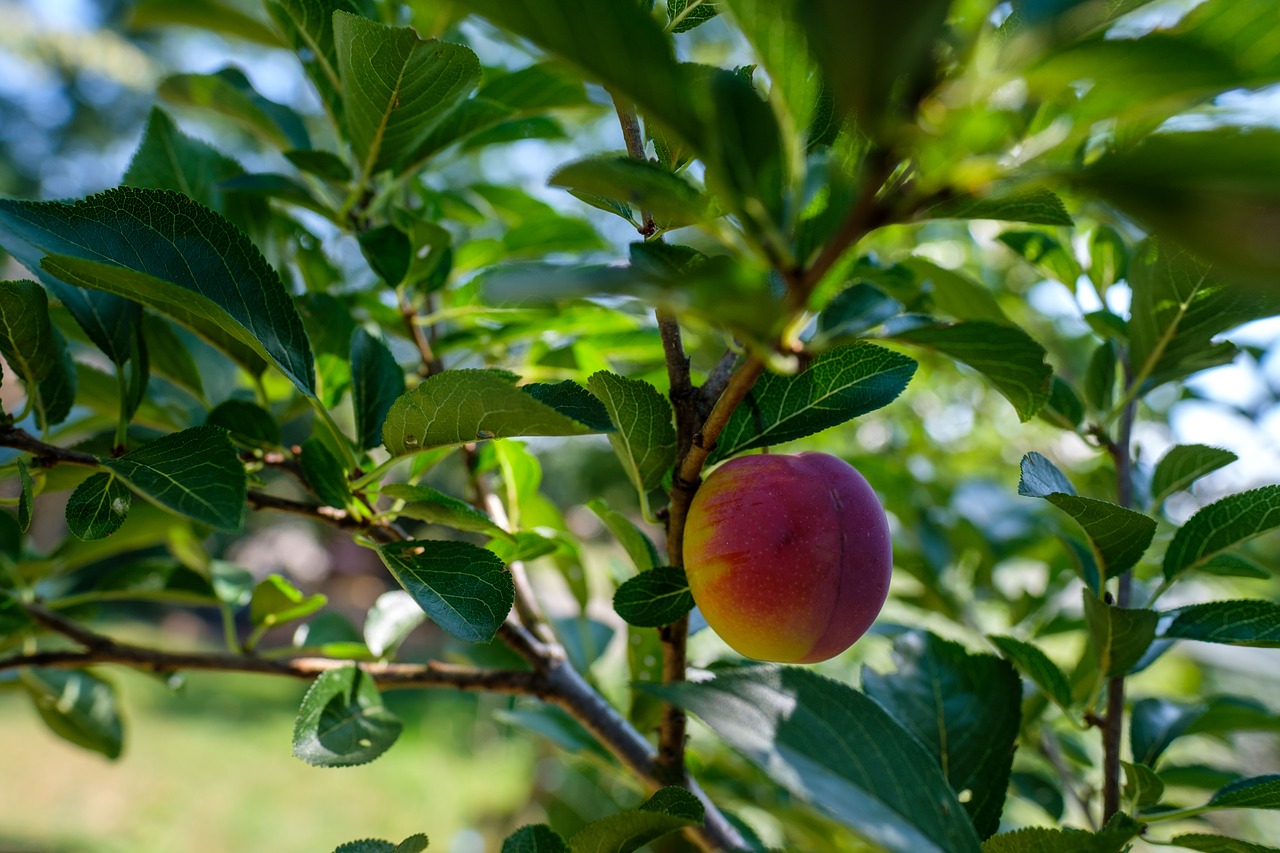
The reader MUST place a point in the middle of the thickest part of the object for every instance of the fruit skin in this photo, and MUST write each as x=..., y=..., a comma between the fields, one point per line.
x=788, y=557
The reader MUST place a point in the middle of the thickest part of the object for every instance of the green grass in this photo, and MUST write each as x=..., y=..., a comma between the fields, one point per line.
x=209, y=768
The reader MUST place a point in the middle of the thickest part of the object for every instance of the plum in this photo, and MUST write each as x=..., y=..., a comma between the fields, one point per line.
x=788, y=556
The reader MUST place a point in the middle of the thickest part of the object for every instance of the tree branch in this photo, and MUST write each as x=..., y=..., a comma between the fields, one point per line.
x=863, y=217
x=45, y=455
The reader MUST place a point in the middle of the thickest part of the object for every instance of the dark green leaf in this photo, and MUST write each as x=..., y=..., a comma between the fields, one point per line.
x=1119, y=536
x=1009, y=359
x=427, y=504
x=572, y=400
x=1222, y=525
x=391, y=619
x=841, y=384
x=1219, y=844
x=275, y=601
x=395, y=87
x=746, y=161
x=26, y=335
x=323, y=164
x=953, y=294
x=77, y=707
x=323, y=472
x=170, y=357
x=542, y=86
x=1100, y=381
x=779, y=41
x=1113, y=839
x=669, y=810
x=1109, y=257
x=684, y=15
x=196, y=473
x=1258, y=792
x=376, y=382
x=1046, y=254
x=522, y=546
x=964, y=708
x=229, y=93
x=462, y=406
x=536, y=838
x=1120, y=636
x=465, y=590
x=1183, y=465
x=654, y=598
x=645, y=436
x=247, y=422
x=608, y=42
x=670, y=198
x=1211, y=191
x=1142, y=787
x=638, y=546
x=58, y=389
x=307, y=26
x=1234, y=566
x=211, y=15
x=366, y=845
x=1244, y=622
x=1156, y=723
x=1036, y=207
x=556, y=726
x=1037, y=666
x=1179, y=305
x=876, y=56
x=1227, y=714
x=1065, y=409
x=342, y=721
x=179, y=258
x=855, y=310
x=98, y=507
x=831, y=745
x=413, y=844
x=388, y=251
x=1041, y=790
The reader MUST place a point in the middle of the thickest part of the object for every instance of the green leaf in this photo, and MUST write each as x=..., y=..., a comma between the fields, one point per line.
x=77, y=707
x=323, y=472
x=1156, y=723
x=376, y=382
x=170, y=357
x=342, y=721
x=838, y=386
x=366, y=845
x=427, y=504
x=390, y=621
x=1219, y=844
x=98, y=507
x=1036, y=207
x=26, y=335
x=307, y=26
x=855, y=310
x=1005, y=356
x=1179, y=304
x=684, y=15
x=395, y=87
x=670, y=198
x=954, y=294
x=608, y=42
x=179, y=258
x=877, y=57
x=322, y=164
x=413, y=844
x=964, y=708
x=746, y=160
x=208, y=15
x=1037, y=666
x=645, y=438
x=229, y=93
x=388, y=251
x=275, y=601
x=654, y=598
x=1183, y=465
x=465, y=590
x=779, y=41
x=1038, y=839
x=572, y=400
x=669, y=810
x=462, y=406
x=1211, y=191
x=1046, y=254
x=1234, y=566
x=1119, y=536
x=1100, y=381
x=247, y=422
x=1258, y=792
x=1243, y=622
x=639, y=547
x=1222, y=525
x=1121, y=636
x=196, y=473
x=1142, y=787
x=535, y=838
x=1108, y=256
x=1065, y=409
x=830, y=745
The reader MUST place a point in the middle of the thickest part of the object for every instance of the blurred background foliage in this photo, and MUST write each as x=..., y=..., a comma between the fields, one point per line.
x=208, y=767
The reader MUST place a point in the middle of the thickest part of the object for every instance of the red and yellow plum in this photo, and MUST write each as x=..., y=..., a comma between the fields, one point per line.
x=788, y=556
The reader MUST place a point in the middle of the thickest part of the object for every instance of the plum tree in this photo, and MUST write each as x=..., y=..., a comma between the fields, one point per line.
x=788, y=557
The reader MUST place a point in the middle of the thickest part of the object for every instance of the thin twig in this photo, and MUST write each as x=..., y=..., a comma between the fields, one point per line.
x=430, y=365
x=45, y=455
x=1049, y=746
